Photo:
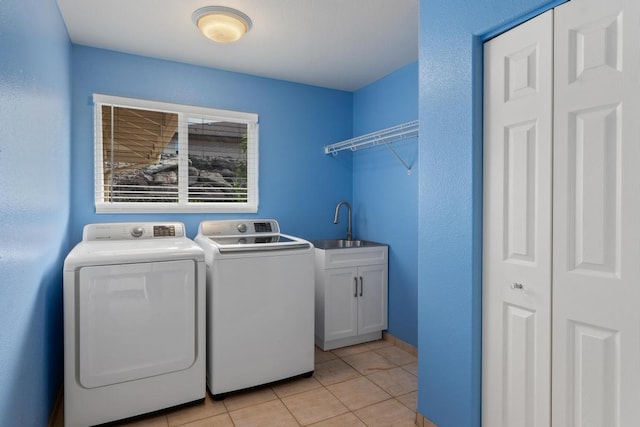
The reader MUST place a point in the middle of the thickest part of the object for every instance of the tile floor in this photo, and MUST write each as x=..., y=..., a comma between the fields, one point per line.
x=371, y=384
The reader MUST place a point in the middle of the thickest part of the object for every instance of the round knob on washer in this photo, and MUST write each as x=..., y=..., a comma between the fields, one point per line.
x=242, y=228
x=137, y=231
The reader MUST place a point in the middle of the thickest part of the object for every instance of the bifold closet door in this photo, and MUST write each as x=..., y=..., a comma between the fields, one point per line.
x=596, y=227
x=516, y=338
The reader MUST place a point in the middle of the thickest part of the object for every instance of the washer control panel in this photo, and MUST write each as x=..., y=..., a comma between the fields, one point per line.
x=236, y=227
x=132, y=231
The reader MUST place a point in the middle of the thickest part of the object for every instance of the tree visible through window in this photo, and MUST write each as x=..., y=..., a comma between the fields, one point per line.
x=174, y=158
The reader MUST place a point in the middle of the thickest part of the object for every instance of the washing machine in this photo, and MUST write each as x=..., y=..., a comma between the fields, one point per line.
x=134, y=322
x=260, y=304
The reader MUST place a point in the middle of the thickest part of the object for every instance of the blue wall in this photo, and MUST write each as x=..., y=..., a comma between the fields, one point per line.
x=34, y=206
x=385, y=196
x=450, y=193
x=298, y=183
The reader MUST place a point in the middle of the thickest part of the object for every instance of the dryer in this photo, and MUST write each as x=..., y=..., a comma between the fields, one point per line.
x=134, y=322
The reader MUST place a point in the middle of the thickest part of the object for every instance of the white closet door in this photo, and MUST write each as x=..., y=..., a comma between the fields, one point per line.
x=516, y=334
x=596, y=264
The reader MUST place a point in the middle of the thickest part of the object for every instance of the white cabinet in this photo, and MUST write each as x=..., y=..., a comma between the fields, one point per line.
x=351, y=295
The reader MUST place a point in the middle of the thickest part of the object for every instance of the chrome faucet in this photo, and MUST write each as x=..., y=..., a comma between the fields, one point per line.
x=335, y=217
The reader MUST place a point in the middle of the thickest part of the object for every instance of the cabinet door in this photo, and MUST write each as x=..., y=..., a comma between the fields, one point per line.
x=341, y=303
x=372, y=298
x=517, y=227
x=596, y=226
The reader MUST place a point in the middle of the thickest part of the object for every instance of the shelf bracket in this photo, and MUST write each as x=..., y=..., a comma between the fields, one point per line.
x=395, y=153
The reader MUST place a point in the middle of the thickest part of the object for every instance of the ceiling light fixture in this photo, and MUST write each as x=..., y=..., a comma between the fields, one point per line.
x=221, y=24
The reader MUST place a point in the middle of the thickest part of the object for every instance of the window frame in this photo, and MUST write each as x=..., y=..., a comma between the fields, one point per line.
x=184, y=112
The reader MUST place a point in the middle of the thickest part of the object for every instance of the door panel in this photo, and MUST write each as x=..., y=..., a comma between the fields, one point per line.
x=372, y=299
x=519, y=201
x=341, y=295
x=517, y=226
x=519, y=369
x=596, y=263
x=593, y=146
x=594, y=352
x=135, y=321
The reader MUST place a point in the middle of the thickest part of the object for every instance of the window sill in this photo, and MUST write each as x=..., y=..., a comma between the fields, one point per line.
x=175, y=208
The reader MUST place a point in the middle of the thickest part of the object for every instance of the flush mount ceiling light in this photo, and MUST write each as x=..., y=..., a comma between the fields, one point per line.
x=221, y=24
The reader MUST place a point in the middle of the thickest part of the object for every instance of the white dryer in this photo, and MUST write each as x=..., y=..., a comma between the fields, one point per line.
x=134, y=322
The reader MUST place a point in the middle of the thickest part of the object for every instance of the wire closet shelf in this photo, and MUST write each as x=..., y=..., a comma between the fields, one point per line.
x=385, y=136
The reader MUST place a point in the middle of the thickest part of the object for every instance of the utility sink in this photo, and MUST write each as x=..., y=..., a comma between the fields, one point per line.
x=343, y=243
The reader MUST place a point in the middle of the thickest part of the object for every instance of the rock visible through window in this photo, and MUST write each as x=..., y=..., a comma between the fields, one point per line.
x=217, y=161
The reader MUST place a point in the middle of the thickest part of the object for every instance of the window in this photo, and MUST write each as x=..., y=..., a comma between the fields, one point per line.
x=158, y=157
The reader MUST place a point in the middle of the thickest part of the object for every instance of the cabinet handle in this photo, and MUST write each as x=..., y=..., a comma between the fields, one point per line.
x=361, y=286
x=355, y=293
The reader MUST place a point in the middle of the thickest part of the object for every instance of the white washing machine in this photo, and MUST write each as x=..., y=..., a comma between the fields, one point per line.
x=134, y=322
x=260, y=304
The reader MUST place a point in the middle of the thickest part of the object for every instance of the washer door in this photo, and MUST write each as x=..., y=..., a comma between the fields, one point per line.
x=135, y=321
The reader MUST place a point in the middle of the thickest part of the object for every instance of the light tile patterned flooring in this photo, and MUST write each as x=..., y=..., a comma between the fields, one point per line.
x=371, y=384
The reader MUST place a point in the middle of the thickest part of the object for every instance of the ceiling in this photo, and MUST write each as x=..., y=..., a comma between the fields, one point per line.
x=339, y=44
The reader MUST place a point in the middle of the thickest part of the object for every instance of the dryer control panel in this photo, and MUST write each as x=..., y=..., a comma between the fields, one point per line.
x=133, y=230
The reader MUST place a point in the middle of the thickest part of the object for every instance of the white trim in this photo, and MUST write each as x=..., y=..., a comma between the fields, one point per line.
x=212, y=113
x=183, y=160
x=98, y=159
x=252, y=173
x=124, y=207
